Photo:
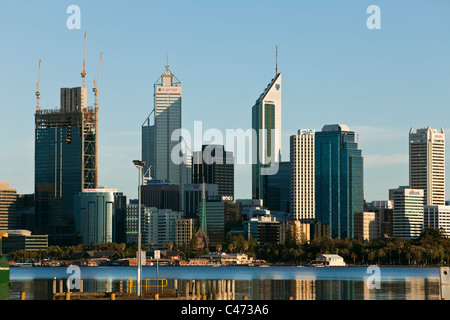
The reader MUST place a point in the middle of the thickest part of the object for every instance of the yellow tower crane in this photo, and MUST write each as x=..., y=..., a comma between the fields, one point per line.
x=38, y=94
x=83, y=73
x=95, y=89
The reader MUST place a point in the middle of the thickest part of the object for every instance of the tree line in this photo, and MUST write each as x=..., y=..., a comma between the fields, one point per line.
x=432, y=247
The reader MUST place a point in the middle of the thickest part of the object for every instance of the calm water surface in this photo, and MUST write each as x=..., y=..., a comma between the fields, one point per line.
x=258, y=283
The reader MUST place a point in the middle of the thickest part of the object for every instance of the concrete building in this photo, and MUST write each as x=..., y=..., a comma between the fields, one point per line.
x=185, y=230
x=302, y=183
x=366, y=226
x=23, y=240
x=161, y=226
x=408, y=213
x=266, y=123
x=437, y=217
x=384, y=210
x=65, y=163
x=427, y=164
x=8, y=198
x=301, y=231
x=338, y=180
x=263, y=228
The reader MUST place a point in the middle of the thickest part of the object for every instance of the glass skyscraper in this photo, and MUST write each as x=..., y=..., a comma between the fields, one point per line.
x=277, y=194
x=266, y=123
x=65, y=163
x=338, y=179
x=214, y=165
x=157, y=144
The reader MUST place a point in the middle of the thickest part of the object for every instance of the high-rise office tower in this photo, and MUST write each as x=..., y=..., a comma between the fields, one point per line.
x=157, y=144
x=8, y=198
x=427, y=164
x=214, y=165
x=408, y=213
x=302, y=184
x=277, y=190
x=266, y=123
x=338, y=179
x=161, y=195
x=65, y=163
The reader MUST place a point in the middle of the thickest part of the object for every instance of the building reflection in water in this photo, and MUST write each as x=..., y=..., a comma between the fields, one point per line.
x=270, y=289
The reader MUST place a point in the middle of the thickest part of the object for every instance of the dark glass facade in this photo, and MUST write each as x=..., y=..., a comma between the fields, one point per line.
x=161, y=196
x=214, y=165
x=277, y=189
x=339, y=181
x=65, y=164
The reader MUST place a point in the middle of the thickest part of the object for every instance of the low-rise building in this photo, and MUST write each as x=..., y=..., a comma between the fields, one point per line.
x=226, y=258
x=330, y=260
x=23, y=240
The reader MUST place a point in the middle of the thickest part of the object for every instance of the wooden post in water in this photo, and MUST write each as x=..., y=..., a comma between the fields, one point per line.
x=113, y=296
x=219, y=285
x=81, y=285
x=187, y=290
x=61, y=287
x=22, y=295
x=54, y=285
x=198, y=290
x=233, y=289
x=106, y=285
x=209, y=288
x=121, y=285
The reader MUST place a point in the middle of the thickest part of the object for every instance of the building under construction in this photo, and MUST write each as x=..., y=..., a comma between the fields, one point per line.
x=65, y=161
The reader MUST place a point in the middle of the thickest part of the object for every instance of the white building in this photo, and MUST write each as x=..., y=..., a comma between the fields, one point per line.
x=330, y=260
x=266, y=123
x=427, y=164
x=161, y=226
x=437, y=217
x=157, y=143
x=302, y=175
x=408, y=213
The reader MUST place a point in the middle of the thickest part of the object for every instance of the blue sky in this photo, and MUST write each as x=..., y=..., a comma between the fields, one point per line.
x=335, y=70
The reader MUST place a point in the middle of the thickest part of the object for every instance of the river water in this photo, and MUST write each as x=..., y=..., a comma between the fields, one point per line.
x=257, y=283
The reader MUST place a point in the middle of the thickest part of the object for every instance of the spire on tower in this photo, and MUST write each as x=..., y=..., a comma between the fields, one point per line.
x=276, y=64
x=167, y=62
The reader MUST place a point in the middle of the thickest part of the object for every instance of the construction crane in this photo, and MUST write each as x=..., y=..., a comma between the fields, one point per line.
x=95, y=89
x=38, y=94
x=83, y=73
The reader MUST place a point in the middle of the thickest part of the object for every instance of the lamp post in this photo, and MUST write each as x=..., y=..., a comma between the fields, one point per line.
x=139, y=164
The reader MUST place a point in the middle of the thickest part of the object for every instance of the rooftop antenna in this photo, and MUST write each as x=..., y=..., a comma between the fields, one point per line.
x=83, y=73
x=276, y=65
x=167, y=61
x=38, y=94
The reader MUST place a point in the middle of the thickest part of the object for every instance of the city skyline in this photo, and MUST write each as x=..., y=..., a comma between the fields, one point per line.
x=379, y=87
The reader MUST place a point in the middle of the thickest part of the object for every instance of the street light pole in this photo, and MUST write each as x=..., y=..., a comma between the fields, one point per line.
x=139, y=164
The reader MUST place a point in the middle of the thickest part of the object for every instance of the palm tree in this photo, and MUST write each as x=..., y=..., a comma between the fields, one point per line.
x=371, y=256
